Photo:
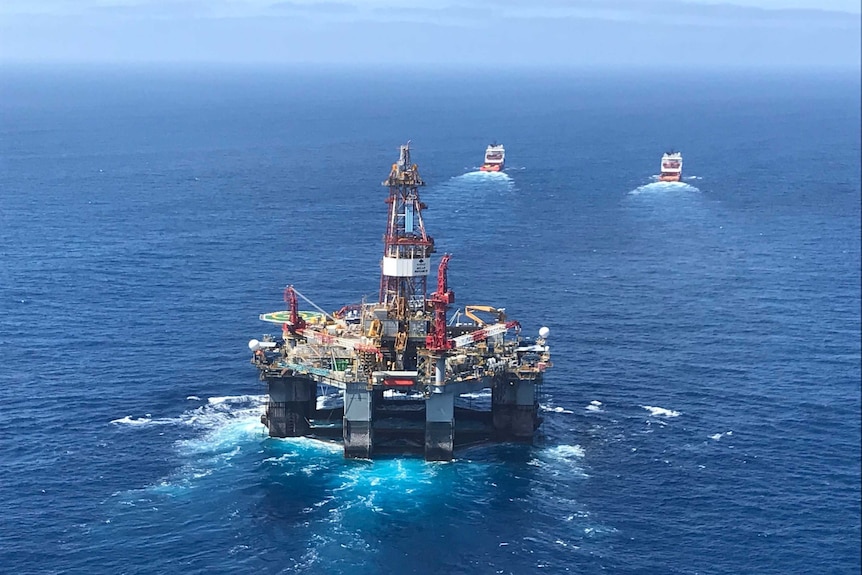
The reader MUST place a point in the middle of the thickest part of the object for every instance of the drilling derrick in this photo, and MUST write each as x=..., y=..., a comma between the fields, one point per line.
x=407, y=247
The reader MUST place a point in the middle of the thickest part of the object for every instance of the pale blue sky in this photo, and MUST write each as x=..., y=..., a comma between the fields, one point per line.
x=495, y=33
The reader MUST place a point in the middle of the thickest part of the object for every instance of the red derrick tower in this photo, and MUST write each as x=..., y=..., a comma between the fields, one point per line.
x=407, y=247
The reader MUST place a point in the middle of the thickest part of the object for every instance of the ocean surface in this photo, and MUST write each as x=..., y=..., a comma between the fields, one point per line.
x=703, y=413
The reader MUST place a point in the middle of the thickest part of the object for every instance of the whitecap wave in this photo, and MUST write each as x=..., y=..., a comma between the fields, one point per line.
x=661, y=411
x=146, y=420
x=129, y=420
x=594, y=405
x=554, y=409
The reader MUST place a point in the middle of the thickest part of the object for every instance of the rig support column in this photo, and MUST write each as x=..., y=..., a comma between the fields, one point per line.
x=515, y=407
x=358, y=430
x=292, y=401
x=439, y=418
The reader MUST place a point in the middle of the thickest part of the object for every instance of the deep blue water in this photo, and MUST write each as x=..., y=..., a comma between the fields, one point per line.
x=703, y=414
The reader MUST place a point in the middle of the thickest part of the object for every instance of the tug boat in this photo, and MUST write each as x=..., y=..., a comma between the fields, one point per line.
x=671, y=167
x=495, y=158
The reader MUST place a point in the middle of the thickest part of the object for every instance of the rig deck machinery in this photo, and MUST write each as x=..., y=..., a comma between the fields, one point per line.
x=400, y=363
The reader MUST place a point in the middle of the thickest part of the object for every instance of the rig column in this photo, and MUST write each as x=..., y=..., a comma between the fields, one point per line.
x=292, y=401
x=515, y=406
x=439, y=418
x=358, y=430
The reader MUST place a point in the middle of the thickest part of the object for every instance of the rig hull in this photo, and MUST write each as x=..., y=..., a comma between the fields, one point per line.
x=371, y=423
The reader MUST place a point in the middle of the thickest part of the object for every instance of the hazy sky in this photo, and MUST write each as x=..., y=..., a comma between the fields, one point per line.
x=665, y=34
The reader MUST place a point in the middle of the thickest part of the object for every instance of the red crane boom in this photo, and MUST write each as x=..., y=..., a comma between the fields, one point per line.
x=295, y=323
x=440, y=299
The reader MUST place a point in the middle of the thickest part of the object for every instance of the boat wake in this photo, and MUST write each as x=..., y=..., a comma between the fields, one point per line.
x=475, y=172
x=492, y=182
x=664, y=187
x=487, y=179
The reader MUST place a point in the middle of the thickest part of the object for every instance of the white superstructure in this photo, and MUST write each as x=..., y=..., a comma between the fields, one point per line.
x=495, y=158
x=671, y=166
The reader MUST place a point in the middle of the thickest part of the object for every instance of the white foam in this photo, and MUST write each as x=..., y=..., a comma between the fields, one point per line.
x=661, y=411
x=718, y=436
x=477, y=173
x=129, y=420
x=596, y=402
x=232, y=399
x=554, y=408
x=476, y=179
x=306, y=443
x=226, y=427
x=663, y=187
x=567, y=452
x=592, y=407
x=226, y=422
x=146, y=420
x=283, y=458
x=193, y=398
x=562, y=461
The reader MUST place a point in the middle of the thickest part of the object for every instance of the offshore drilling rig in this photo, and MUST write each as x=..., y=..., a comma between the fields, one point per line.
x=400, y=363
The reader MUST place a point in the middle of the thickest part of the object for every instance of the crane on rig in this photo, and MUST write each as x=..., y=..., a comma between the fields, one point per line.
x=440, y=300
x=296, y=323
x=499, y=313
